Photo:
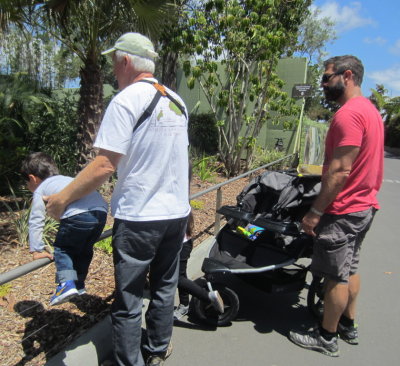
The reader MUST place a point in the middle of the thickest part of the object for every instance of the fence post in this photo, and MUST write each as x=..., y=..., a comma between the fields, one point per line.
x=217, y=215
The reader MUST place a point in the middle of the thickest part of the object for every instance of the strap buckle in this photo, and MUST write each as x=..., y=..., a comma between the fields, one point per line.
x=161, y=89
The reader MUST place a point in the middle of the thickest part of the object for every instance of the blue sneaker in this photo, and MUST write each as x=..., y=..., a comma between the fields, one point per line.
x=80, y=286
x=64, y=292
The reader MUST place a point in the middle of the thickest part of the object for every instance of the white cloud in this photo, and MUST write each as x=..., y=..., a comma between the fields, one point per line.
x=390, y=78
x=396, y=48
x=377, y=40
x=346, y=17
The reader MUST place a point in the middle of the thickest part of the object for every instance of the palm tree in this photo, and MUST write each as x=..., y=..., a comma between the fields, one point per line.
x=87, y=27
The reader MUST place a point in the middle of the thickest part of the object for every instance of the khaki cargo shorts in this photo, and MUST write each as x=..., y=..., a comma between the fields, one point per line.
x=336, y=251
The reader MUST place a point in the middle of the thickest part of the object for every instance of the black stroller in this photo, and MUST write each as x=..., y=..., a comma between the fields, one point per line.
x=261, y=243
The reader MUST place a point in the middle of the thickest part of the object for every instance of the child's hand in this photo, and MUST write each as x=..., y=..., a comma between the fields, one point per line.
x=44, y=254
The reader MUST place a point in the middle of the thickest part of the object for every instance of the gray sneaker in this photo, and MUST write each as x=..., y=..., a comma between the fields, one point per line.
x=180, y=311
x=169, y=350
x=157, y=360
x=314, y=341
x=348, y=334
x=216, y=301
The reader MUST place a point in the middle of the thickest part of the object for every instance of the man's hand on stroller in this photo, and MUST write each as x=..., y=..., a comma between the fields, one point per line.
x=309, y=222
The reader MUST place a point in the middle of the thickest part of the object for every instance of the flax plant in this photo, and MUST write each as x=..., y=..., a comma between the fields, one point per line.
x=20, y=220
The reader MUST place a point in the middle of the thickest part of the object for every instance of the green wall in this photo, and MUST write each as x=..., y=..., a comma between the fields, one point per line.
x=290, y=70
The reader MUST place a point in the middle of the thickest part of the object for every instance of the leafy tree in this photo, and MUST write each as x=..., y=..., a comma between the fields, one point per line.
x=86, y=27
x=169, y=45
x=314, y=33
x=379, y=98
x=235, y=46
x=42, y=57
x=390, y=111
x=392, y=122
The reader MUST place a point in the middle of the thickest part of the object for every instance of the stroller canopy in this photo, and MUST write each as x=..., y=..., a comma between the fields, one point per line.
x=280, y=195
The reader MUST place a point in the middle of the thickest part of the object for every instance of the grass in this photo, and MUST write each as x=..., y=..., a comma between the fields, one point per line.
x=105, y=244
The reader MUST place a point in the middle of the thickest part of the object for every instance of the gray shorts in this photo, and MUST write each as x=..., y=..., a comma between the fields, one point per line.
x=336, y=251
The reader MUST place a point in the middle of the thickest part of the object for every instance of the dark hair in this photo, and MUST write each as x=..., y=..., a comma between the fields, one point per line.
x=40, y=165
x=347, y=62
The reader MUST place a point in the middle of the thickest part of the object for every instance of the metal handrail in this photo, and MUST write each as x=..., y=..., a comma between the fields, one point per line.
x=39, y=263
x=244, y=175
x=36, y=264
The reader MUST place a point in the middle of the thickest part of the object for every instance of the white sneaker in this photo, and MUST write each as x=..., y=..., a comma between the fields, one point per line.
x=216, y=301
x=180, y=311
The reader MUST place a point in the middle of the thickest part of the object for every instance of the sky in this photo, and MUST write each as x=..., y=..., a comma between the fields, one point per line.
x=368, y=29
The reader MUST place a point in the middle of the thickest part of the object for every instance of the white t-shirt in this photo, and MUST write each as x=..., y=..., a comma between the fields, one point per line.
x=153, y=172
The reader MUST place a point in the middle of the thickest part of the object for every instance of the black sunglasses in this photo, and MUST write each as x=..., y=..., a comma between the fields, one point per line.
x=326, y=77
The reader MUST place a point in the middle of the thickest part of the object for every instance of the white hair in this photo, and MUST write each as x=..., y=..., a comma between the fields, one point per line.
x=141, y=64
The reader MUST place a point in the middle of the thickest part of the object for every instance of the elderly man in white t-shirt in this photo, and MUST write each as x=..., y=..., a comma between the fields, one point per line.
x=150, y=202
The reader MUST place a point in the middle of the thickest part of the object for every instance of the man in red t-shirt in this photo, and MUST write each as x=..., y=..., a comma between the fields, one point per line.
x=343, y=211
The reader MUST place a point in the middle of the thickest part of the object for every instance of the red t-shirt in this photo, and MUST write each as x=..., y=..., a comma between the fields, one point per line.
x=357, y=123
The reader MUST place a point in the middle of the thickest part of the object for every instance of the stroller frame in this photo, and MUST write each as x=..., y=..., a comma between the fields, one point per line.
x=267, y=263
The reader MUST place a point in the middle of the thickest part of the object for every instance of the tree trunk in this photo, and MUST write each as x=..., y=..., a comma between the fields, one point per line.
x=90, y=110
x=169, y=65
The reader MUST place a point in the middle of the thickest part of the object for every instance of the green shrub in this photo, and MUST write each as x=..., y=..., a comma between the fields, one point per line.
x=206, y=168
x=105, y=244
x=263, y=156
x=19, y=96
x=203, y=133
x=5, y=289
x=35, y=119
x=392, y=132
x=56, y=133
x=196, y=205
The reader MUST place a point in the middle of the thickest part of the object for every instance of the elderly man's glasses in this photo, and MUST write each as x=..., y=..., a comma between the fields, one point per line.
x=326, y=77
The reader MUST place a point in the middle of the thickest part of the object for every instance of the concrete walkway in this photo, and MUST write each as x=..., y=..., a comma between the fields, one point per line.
x=259, y=334
x=95, y=345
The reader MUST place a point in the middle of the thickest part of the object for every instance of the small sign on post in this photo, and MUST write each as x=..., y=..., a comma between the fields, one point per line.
x=301, y=90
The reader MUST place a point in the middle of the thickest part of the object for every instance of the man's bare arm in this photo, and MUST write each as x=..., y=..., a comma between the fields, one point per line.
x=88, y=180
x=333, y=182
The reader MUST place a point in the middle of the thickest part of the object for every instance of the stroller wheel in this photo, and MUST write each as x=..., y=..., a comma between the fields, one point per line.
x=315, y=297
x=207, y=313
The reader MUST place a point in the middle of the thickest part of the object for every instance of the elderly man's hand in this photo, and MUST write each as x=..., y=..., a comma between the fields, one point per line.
x=309, y=222
x=55, y=206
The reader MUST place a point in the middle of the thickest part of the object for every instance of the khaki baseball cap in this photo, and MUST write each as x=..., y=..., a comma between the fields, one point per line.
x=135, y=44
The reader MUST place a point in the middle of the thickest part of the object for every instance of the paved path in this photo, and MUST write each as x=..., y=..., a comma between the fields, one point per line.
x=259, y=335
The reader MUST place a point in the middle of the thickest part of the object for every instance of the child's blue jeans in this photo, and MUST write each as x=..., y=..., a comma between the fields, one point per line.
x=73, y=246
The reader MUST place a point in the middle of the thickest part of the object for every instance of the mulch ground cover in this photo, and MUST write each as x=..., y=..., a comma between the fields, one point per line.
x=32, y=331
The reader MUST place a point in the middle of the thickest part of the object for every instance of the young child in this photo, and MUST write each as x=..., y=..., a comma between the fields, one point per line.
x=186, y=286
x=80, y=226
